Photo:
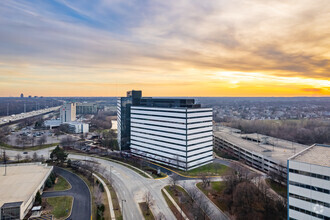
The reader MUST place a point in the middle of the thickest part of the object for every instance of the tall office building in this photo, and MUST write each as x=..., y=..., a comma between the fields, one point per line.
x=309, y=183
x=123, y=117
x=173, y=132
x=68, y=112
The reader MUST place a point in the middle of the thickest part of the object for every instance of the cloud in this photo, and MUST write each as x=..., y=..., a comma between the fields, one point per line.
x=174, y=40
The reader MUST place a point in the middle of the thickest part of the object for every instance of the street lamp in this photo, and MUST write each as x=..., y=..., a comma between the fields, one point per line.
x=111, y=174
x=122, y=207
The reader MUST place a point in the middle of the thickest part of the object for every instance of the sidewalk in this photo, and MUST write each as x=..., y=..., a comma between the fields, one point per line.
x=112, y=213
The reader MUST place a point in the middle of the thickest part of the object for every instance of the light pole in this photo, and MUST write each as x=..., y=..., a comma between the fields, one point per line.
x=111, y=174
x=122, y=207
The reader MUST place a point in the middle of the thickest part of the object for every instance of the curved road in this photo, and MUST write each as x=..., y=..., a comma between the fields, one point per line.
x=82, y=199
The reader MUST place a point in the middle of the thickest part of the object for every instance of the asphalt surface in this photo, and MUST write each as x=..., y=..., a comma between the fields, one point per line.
x=131, y=187
x=82, y=199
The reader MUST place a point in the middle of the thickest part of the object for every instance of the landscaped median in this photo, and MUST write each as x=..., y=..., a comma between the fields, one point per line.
x=182, y=204
x=60, y=207
x=27, y=148
x=147, y=214
x=213, y=192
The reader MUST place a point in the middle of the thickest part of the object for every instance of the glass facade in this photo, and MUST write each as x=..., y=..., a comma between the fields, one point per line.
x=10, y=211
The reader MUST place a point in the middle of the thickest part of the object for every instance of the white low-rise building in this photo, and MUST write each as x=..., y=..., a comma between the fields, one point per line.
x=78, y=127
x=309, y=184
x=19, y=184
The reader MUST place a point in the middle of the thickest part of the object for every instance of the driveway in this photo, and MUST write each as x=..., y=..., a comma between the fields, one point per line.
x=82, y=199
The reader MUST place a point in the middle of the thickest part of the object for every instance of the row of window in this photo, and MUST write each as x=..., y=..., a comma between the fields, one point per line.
x=318, y=189
x=172, y=160
x=138, y=134
x=164, y=149
x=319, y=176
x=184, y=116
x=309, y=212
x=309, y=200
x=167, y=120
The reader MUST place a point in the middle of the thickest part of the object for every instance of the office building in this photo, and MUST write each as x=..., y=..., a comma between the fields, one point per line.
x=86, y=108
x=309, y=183
x=123, y=117
x=68, y=112
x=78, y=127
x=173, y=132
x=22, y=95
x=265, y=153
x=19, y=187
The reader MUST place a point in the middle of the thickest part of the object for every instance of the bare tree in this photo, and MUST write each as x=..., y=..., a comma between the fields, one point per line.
x=42, y=140
x=98, y=195
x=18, y=157
x=27, y=157
x=174, y=180
x=206, y=180
x=35, y=156
x=148, y=201
x=160, y=216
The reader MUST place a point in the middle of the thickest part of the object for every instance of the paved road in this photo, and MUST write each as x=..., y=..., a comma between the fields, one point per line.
x=82, y=199
x=132, y=187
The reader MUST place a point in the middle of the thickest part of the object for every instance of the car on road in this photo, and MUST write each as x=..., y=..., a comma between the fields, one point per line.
x=25, y=152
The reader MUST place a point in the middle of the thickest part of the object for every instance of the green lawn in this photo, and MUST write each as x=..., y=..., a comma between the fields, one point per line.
x=278, y=188
x=214, y=192
x=61, y=206
x=209, y=169
x=147, y=214
x=61, y=184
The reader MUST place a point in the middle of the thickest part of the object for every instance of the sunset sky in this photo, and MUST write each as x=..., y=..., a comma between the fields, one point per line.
x=165, y=48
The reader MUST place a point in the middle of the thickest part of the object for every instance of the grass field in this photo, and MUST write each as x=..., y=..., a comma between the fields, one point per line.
x=147, y=214
x=209, y=169
x=27, y=148
x=61, y=184
x=61, y=206
x=216, y=189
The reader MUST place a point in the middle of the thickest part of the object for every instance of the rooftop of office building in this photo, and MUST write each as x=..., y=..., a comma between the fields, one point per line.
x=21, y=181
x=275, y=148
x=317, y=154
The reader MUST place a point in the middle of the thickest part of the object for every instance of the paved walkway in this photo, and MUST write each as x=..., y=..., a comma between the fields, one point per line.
x=175, y=204
x=81, y=208
x=112, y=213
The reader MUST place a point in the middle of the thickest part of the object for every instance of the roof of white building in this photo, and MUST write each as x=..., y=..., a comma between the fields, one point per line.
x=317, y=154
x=21, y=181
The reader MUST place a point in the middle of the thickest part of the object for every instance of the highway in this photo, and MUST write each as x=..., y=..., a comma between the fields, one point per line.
x=13, y=118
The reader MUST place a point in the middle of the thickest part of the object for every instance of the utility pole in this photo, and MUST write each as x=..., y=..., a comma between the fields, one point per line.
x=111, y=175
x=122, y=207
x=5, y=161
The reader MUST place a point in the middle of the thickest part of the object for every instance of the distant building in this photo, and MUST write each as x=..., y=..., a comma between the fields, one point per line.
x=68, y=112
x=174, y=132
x=30, y=96
x=309, y=183
x=78, y=127
x=87, y=108
x=19, y=187
x=22, y=95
